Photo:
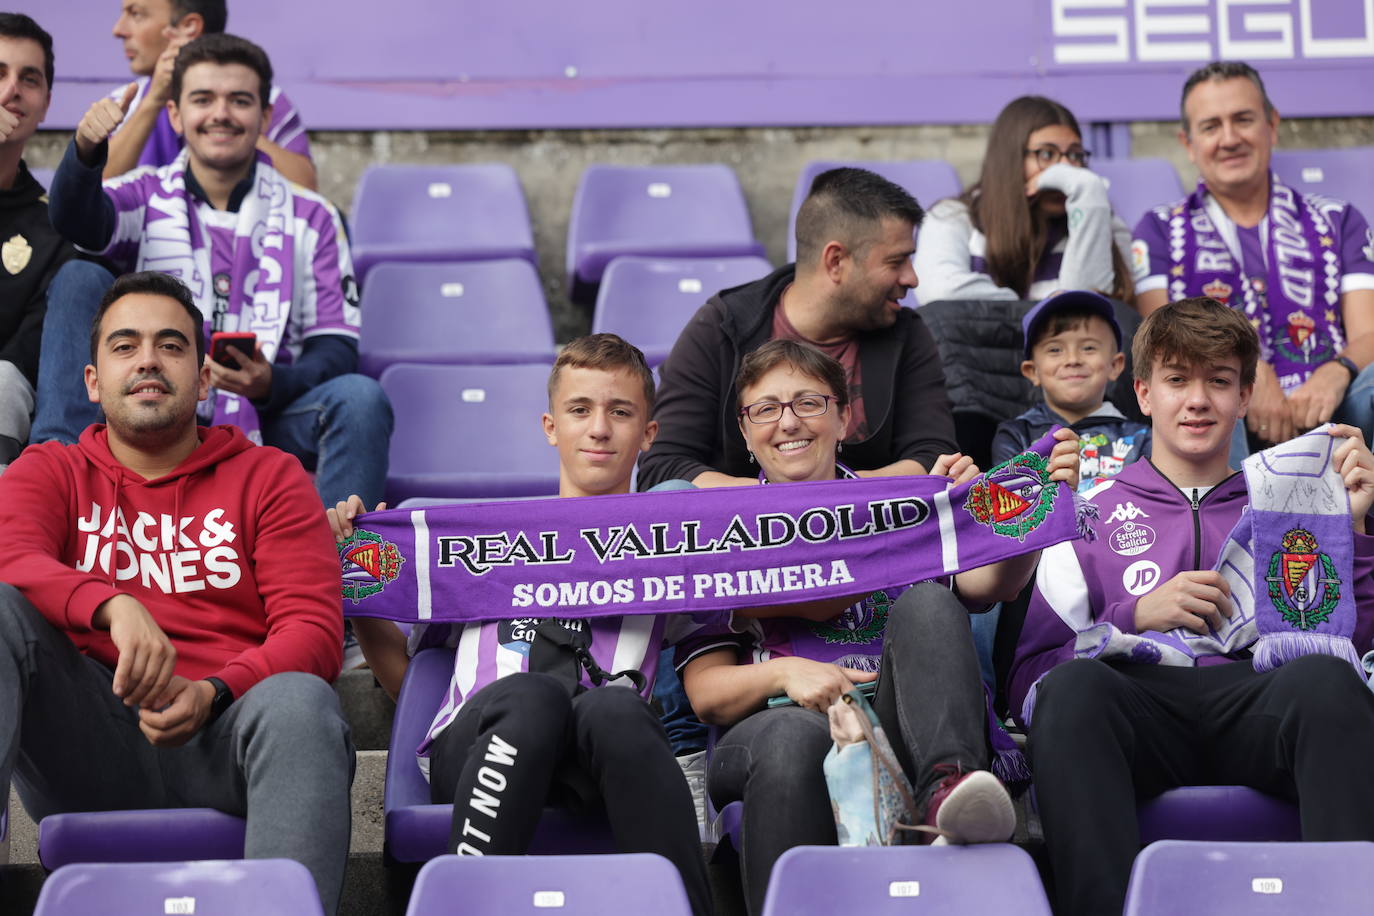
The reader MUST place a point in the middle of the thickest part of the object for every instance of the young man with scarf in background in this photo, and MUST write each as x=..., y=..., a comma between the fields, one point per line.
x=1190, y=644
x=1300, y=267
x=259, y=255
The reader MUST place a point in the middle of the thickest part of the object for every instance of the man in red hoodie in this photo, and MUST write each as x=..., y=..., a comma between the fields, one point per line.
x=171, y=621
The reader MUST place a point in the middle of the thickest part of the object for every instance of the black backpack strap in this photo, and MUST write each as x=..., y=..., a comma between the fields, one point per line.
x=560, y=651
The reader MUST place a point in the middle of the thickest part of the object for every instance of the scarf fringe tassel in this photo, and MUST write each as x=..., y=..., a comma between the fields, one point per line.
x=1274, y=649
x=1084, y=514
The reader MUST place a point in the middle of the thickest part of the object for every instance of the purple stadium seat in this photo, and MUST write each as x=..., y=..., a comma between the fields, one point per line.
x=263, y=887
x=1345, y=174
x=467, y=212
x=44, y=176
x=488, y=312
x=648, y=301
x=570, y=885
x=1135, y=186
x=674, y=211
x=469, y=431
x=1218, y=813
x=883, y=880
x=1252, y=879
x=417, y=830
x=155, y=835
x=927, y=180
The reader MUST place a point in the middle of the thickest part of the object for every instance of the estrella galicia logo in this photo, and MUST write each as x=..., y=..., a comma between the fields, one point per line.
x=368, y=563
x=1131, y=539
x=1014, y=497
x=1303, y=585
x=859, y=624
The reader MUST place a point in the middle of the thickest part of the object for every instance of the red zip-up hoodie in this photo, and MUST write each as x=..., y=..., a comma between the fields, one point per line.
x=230, y=553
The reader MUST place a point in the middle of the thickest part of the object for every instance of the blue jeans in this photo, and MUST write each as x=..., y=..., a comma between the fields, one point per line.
x=341, y=429
x=62, y=410
x=1358, y=407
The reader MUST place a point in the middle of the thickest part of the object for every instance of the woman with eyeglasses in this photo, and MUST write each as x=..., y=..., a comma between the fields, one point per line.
x=1038, y=220
x=765, y=677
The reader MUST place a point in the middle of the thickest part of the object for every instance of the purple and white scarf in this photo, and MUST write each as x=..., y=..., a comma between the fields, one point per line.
x=1295, y=307
x=1288, y=561
x=698, y=550
x=261, y=278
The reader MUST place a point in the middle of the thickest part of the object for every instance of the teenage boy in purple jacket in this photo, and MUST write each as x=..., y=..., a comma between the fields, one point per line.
x=1116, y=712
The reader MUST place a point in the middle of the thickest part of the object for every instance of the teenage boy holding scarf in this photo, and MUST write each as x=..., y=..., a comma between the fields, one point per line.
x=521, y=712
x=1142, y=667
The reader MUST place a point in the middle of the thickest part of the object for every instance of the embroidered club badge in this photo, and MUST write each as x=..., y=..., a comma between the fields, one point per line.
x=1303, y=584
x=860, y=624
x=368, y=563
x=1014, y=497
x=15, y=254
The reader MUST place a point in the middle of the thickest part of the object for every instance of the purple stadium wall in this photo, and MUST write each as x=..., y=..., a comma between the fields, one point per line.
x=465, y=64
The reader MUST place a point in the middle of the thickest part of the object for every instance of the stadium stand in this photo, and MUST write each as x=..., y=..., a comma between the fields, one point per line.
x=660, y=211
x=465, y=431
x=418, y=830
x=1345, y=174
x=927, y=180
x=150, y=835
x=648, y=301
x=457, y=312
x=263, y=887
x=1252, y=879
x=572, y=885
x=464, y=212
x=893, y=880
x=1134, y=186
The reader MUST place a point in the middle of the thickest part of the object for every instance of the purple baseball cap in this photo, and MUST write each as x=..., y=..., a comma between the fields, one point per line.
x=1079, y=299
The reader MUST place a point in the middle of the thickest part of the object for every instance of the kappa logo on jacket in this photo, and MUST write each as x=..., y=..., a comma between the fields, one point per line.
x=1126, y=512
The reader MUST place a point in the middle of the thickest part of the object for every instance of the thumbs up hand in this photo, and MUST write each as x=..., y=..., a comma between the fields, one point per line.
x=100, y=121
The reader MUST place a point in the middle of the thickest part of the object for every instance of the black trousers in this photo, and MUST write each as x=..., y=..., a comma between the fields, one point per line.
x=1105, y=736
x=521, y=743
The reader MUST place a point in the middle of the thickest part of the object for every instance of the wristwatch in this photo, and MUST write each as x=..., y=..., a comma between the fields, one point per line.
x=1349, y=365
x=224, y=698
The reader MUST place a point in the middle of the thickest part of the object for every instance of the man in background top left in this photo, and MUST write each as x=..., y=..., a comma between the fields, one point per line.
x=31, y=251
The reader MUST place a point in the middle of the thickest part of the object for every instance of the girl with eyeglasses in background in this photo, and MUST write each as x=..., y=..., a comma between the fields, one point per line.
x=1037, y=221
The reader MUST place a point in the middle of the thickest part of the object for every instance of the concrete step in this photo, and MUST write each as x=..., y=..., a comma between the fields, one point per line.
x=367, y=708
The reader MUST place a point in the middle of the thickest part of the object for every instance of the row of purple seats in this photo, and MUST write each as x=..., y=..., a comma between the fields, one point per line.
x=1169, y=877
x=494, y=312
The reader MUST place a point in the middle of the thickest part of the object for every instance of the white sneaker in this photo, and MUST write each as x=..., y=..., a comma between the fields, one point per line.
x=694, y=771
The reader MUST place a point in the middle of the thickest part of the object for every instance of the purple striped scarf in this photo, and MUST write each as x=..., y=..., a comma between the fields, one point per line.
x=697, y=550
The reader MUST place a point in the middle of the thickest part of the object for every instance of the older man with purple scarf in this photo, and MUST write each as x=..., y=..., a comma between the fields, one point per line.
x=1300, y=267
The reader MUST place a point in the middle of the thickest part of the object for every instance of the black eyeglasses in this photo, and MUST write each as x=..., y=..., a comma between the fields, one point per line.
x=1049, y=155
x=808, y=405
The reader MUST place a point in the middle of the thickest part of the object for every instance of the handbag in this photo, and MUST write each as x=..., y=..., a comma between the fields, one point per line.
x=870, y=796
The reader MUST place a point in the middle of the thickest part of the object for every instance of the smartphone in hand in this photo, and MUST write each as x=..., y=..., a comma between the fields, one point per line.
x=220, y=341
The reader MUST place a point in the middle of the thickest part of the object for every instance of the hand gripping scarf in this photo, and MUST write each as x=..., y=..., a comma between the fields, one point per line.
x=698, y=550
